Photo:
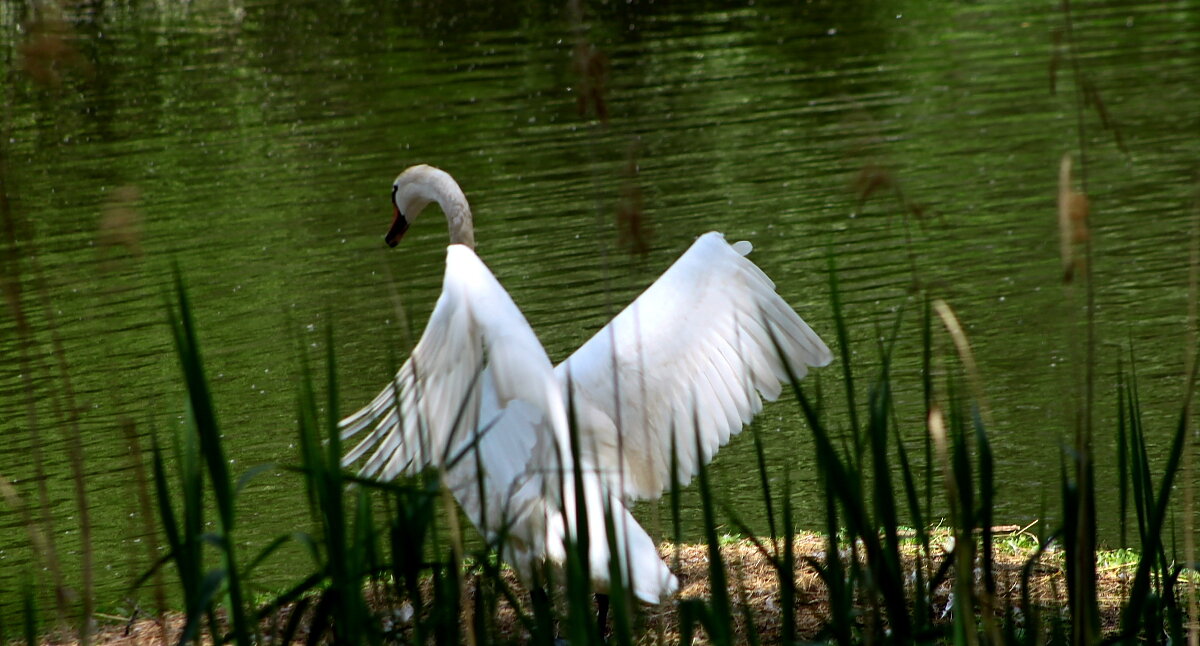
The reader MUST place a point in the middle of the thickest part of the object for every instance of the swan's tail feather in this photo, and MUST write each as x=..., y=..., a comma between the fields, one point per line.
x=643, y=571
x=648, y=576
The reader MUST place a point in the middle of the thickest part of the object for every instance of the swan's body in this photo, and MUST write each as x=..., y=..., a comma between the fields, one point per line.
x=479, y=398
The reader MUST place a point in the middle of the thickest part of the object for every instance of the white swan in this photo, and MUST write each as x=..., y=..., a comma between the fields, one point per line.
x=479, y=399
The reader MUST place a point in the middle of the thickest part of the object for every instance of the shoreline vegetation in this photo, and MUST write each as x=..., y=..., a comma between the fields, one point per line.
x=390, y=565
x=751, y=581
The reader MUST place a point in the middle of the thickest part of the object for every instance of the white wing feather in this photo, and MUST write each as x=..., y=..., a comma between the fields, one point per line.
x=683, y=367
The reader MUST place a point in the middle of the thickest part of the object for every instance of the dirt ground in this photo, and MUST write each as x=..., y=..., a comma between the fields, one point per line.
x=753, y=584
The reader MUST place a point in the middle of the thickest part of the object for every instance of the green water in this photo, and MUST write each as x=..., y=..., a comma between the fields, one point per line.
x=254, y=143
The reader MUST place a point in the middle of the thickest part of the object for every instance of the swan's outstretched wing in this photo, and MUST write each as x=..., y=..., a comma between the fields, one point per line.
x=686, y=360
x=428, y=415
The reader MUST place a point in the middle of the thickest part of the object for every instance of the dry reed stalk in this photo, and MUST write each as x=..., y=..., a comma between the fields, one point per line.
x=47, y=52
x=11, y=284
x=590, y=66
x=119, y=234
x=12, y=497
x=633, y=231
x=1075, y=251
x=962, y=346
x=1072, y=221
x=936, y=423
x=73, y=436
x=1189, y=494
x=146, y=510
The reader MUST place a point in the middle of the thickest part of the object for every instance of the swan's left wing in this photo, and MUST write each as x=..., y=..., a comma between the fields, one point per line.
x=681, y=368
x=429, y=413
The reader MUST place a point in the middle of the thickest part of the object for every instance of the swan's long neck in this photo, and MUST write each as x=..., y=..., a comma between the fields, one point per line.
x=458, y=212
x=421, y=185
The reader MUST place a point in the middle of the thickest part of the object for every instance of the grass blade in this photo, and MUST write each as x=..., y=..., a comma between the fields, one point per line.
x=203, y=415
x=721, y=615
x=1141, y=581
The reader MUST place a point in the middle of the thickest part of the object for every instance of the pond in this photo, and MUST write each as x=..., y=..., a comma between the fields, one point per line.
x=252, y=144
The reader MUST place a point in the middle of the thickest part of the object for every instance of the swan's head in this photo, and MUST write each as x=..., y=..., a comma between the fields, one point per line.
x=414, y=189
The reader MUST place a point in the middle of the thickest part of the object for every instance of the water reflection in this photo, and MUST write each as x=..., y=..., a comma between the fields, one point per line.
x=253, y=143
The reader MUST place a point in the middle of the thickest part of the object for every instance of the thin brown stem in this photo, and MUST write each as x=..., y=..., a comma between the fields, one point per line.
x=1189, y=494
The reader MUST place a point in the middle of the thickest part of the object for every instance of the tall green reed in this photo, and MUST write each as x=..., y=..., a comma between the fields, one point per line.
x=201, y=444
x=344, y=551
x=329, y=599
x=716, y=616
x=1152, y=608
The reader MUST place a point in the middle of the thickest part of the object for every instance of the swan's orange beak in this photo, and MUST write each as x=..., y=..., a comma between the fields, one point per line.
x=399, y=226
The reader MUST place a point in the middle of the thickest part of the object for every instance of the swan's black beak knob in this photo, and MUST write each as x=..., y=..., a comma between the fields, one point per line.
x=399, y=226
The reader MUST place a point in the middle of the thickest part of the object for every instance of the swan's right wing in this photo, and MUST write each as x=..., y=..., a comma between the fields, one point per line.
x=430, y=411
x=681, y=368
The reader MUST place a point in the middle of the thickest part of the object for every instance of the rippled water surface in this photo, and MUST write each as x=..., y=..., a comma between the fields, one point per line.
x=253, y=145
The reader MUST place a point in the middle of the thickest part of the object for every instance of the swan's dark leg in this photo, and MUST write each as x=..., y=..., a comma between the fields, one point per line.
x=543, y=615
x=602, y=614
